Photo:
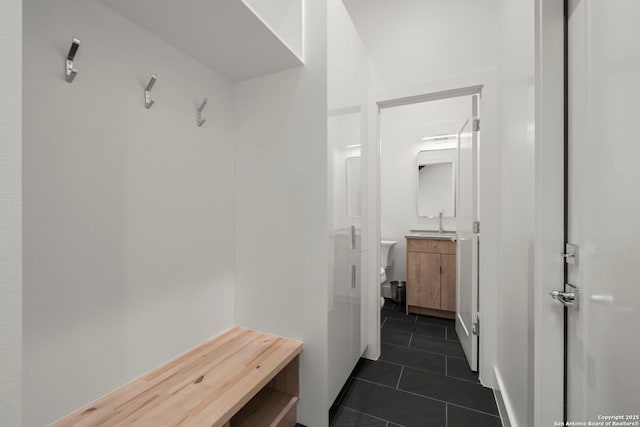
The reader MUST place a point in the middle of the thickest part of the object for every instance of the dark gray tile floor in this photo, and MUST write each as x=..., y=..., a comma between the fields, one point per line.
x=422, y=379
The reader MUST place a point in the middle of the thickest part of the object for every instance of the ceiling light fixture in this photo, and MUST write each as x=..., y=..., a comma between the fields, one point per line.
x=437, y=138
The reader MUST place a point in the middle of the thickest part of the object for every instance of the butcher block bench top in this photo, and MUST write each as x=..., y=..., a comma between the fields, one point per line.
x=206, y=386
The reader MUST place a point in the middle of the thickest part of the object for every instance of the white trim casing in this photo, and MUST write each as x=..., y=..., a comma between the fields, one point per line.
x=11, y=213
x=549, y=205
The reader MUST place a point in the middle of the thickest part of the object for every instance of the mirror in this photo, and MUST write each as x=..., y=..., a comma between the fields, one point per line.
x=354, y=192
x=436, y=183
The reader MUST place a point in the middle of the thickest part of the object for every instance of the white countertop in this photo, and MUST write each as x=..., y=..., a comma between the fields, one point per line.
x=432, y=235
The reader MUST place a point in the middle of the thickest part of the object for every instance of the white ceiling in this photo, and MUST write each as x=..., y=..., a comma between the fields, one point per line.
x=222, y=34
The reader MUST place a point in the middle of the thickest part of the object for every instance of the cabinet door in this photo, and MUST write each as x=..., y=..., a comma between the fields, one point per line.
x=448, y=283
x=413, y=278
x=423, y=280
x=430, y=280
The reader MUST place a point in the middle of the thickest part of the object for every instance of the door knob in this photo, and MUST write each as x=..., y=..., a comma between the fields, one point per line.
x=570, y=299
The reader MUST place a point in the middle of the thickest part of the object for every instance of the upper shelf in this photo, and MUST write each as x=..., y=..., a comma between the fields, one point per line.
x=240, y=39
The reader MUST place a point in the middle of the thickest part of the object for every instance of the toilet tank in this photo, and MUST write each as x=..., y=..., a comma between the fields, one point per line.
x=385, y=249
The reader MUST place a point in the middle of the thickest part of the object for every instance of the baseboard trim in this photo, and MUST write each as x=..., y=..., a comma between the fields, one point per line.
x=502, y=410
x=505, y=408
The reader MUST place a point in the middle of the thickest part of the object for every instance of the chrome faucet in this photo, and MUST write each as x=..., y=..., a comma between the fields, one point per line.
x=440, y=229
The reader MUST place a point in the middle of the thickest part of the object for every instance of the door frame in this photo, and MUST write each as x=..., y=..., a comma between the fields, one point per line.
x=469, y=84
x=549, y=268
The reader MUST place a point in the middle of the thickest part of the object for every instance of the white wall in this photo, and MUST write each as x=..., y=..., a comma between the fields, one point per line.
x=401, y=130
x=10, y=214
x=281, y=210
x=128, y=213
x=416, y=40
x=514, y=365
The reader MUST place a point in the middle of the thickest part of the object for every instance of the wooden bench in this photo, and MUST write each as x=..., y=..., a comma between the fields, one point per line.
x=239, y=378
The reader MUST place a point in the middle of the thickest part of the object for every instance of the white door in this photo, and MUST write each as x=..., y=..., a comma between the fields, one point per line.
x=467, y=247
x=603, y=347
x=344, y=180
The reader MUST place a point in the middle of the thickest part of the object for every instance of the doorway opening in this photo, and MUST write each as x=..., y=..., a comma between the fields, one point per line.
x=429, y=221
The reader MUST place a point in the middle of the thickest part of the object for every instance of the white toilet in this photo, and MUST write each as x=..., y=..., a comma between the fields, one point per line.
x=385, y=262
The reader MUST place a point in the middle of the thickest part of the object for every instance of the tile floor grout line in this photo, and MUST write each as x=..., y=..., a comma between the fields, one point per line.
x=424, y=351
x=434, y=372
x=425, y=335
x=467, y=381
x=383, y=322
x=427, y=397
x=433, y=324
x=421, y=370
x=473, y=410
x=367, y=414
x=428, y=372
x=401, y=372
x=410, y=339
x=446, y=366
x=391, y=344
x=422, y=335
x=410, y=367
x=407, y=319
x=399, y=378
x=446, y=335
x=434, y=339
x=419, y=323
x=446, y=415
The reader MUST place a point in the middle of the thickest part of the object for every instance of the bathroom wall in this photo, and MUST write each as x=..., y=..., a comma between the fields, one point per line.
x=10, y=214
x=400, y=131
x=128, y=213
x=281, y=209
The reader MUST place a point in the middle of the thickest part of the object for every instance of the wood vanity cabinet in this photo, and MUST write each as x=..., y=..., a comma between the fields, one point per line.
x=431, y=277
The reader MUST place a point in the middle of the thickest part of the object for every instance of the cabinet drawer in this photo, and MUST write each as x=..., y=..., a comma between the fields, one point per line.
x=431, y=246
